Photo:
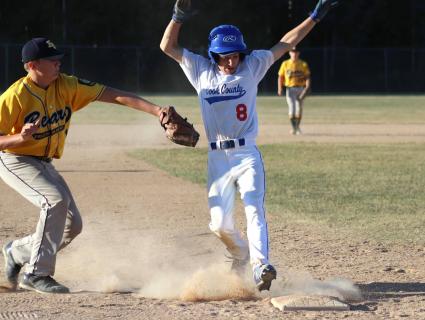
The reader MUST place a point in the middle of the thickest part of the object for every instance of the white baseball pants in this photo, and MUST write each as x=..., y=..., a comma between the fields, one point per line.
x=239, y=169
x=59, y=221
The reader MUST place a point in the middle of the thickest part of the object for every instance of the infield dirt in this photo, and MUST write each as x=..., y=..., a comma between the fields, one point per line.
x=146, y=251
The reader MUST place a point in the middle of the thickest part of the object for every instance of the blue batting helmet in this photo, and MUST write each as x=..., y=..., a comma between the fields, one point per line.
x=225, y=39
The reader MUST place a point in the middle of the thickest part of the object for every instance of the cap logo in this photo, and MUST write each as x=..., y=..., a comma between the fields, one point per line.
x=229, y=38
x=50, y=44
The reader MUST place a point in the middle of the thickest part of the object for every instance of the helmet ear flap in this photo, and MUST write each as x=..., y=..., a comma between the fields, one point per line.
x=214, y=56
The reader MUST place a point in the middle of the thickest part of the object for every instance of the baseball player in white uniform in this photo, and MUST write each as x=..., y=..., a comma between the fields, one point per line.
x=226, y=85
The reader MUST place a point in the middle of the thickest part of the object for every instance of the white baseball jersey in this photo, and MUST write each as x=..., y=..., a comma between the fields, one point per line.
x=228, y=102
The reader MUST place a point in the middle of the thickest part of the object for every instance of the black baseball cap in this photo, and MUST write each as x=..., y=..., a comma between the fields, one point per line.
x=40, y=48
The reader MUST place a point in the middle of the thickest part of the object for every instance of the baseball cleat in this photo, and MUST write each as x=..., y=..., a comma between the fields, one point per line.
x=292, y=131
x=42, y=284
x=298, y=132
x=264, y=274
x=12, y=268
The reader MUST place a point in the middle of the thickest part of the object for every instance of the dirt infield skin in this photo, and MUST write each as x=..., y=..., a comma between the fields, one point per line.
x=142, y=257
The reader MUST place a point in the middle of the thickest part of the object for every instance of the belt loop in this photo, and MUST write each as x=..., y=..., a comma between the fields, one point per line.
x=213, y=145
x=241, y=142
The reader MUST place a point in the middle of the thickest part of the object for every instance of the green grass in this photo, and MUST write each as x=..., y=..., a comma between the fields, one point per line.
x=376, y=190
x=350, y=109
x=372, y=189
x=272, y=110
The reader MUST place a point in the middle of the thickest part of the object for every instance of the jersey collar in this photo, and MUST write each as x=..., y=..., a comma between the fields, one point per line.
x=34, y=87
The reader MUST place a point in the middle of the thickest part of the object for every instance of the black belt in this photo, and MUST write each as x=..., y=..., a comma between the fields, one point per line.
x=227, y=144
x=45, y=159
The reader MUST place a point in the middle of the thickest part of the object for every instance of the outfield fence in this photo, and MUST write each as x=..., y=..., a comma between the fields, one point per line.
x=334, y=70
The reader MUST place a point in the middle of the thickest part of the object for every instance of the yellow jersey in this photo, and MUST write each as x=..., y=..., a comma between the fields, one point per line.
x=25, y=102
x=295, y=73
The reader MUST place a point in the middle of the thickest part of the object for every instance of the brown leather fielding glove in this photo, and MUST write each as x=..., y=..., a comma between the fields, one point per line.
x=177, y=129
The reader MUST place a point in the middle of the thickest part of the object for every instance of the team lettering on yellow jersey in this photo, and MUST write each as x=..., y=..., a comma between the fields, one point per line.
x=63, y=115
x=25, y=102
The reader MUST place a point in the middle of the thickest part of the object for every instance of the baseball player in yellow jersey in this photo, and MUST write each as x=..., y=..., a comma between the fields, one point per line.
x=35, y=114
x=294, y=74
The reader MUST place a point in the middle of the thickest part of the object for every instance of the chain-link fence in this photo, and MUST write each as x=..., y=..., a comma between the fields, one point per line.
x=334, y=70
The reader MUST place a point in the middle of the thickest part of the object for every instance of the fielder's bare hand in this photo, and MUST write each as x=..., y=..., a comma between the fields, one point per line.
x=29, y=129
x=279, y=92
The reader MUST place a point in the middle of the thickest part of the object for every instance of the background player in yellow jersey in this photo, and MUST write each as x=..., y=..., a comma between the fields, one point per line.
x=35, y=114
x=294, y=74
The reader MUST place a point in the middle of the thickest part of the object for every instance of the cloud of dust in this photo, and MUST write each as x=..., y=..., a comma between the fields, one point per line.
x=153, y=267
x=106, y=261
x=216, y=283
x=136, y=262
x=302, y=283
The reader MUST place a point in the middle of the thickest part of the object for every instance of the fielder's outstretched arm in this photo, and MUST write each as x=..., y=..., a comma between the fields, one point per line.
x=293, y=37
x=111, y=95
x=176, y=127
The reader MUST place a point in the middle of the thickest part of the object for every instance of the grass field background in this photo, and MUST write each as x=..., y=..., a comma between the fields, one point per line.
x=320, y=109
x=372, y=189
x=375, y=190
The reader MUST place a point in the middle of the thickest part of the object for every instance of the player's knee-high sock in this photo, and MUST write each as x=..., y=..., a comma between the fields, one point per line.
x=298, y=122
x=293, y=122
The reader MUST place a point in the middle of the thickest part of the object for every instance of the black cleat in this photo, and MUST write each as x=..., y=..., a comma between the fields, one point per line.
x=263, y=276
x=12, y=268
x=42, y=284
